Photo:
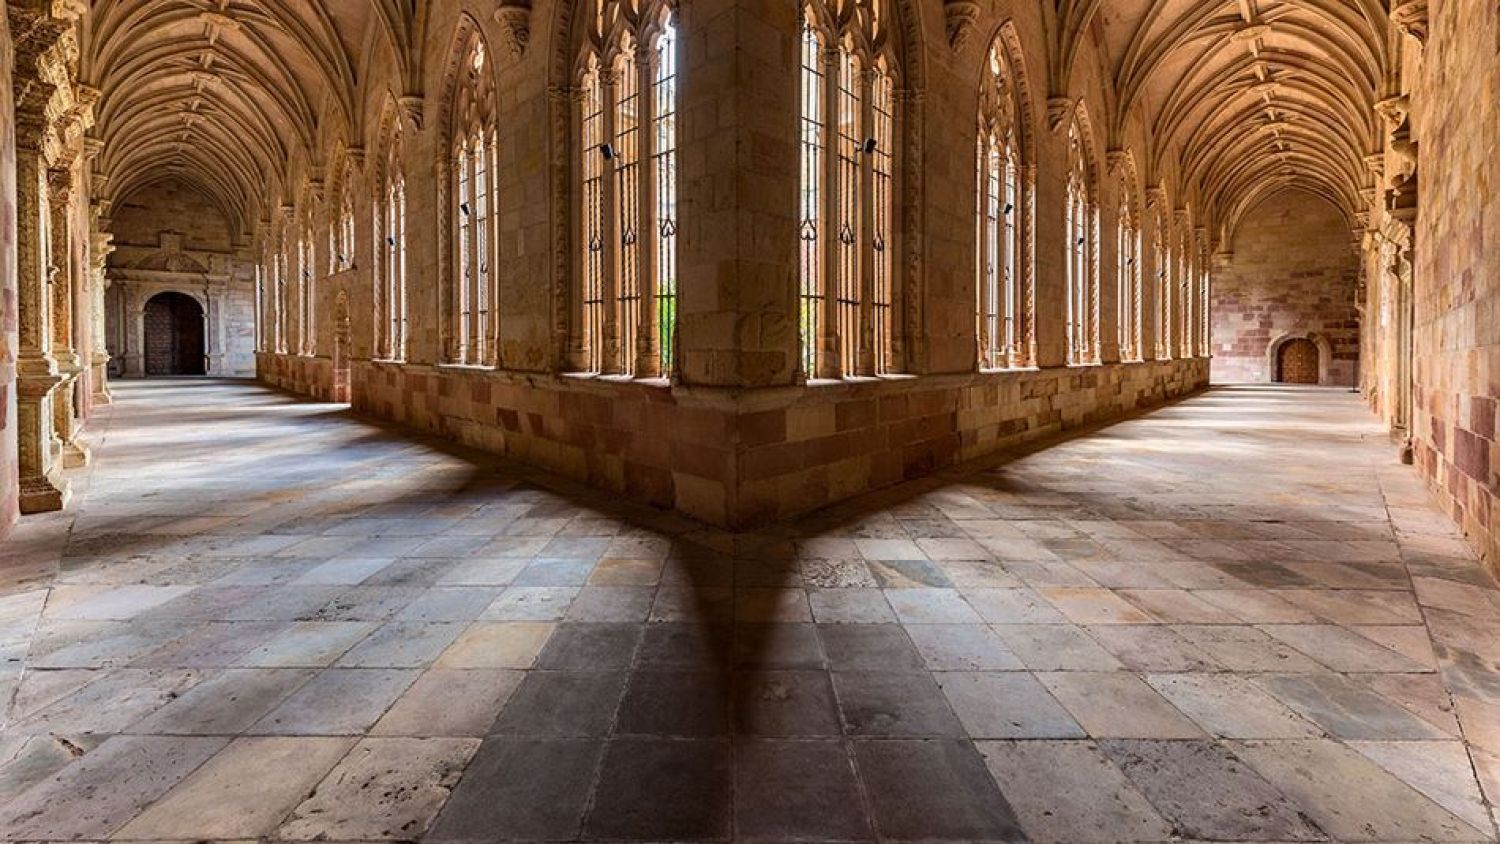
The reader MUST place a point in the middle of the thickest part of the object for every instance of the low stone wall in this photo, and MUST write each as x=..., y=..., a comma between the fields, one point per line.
x=742, y=458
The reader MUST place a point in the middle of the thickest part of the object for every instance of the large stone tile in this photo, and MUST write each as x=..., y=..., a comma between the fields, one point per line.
x=927, y=790
x=450, y=703
x=660, y=789
x=338, y=701
x=797, y=790
x=1006, y=705
x=1070, y=793
x=1231, y=706
x=225, y=703
x=1206, y=793
x=1351, y=797
x=242, y=792
x=105, y=788
x=1118, y=704
x=1347, y=709
x=385, y=788
x=518, y=788
x=562, y=704
x=879, y=703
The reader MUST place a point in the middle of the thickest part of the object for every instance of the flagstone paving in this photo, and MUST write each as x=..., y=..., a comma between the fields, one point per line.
x=1232, y=619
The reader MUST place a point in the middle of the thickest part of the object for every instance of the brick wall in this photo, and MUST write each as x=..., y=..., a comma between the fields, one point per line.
x=1293, y=273
x=1457, y=337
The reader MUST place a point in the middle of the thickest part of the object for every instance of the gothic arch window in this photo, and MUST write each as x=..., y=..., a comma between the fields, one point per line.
x=471, y=325
x=1183, y=316
x=629, y=79
x=1000, y=262
x=1082, y=253
x=1162, y=319
x=281, y=301
x=847, y=209
x=390, y=235
x=341, y=228
x=1129, y=273
x=306, y=290
x=260, y=306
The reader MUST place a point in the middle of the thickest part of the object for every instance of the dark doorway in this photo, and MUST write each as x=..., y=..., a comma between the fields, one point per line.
x=1297, y=362
x=174, y=335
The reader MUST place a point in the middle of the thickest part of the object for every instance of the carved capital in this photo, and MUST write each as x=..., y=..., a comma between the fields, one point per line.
x=1116, y=160
x=413, y=106
x=1410, y=18
x=960, y=16
x=1393, y=110
x=514, y=17
x=1059, y=109
x=60, y=187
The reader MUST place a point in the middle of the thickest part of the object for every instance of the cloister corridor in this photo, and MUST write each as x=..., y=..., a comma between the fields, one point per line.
x=1233, y=618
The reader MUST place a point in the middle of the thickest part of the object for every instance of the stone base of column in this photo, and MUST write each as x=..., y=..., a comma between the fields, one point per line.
x=75, y=453
x=45, y=494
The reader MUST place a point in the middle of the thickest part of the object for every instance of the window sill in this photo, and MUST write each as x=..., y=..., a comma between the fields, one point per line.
x=468, y=367
x=854, y=380
x=660, y=382
x=1006, y=370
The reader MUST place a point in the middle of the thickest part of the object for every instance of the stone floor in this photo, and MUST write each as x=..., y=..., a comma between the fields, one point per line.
x=1234, y=619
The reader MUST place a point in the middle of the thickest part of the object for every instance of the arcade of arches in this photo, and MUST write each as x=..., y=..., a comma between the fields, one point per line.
x=742, y=261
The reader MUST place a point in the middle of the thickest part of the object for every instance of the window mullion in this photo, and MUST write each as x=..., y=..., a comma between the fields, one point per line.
x=866, y=227
x=610, y=355
x=647, y=357
x=829, y=363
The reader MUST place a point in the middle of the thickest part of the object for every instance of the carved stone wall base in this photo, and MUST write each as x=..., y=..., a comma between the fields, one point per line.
x=45, y=494
x=75, y=453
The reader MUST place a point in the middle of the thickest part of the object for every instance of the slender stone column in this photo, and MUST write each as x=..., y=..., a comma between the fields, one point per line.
x=66, y=424
x=101, y=247
x=42, y=486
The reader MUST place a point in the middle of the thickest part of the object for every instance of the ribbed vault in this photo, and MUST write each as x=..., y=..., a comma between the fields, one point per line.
x=224, y=94
x=1240, y=98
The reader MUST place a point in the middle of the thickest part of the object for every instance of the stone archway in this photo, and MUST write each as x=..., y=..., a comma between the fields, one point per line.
x=1297, y=362
x=342, y=388
x=1308, y=356
x=174, y=335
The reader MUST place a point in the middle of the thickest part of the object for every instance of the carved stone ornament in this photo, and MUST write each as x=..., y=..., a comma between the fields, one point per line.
x=1393, y=110
x=960, y=16
x=514, y=17
x=1059, y=109
x=1410, y=17
x=413, y=106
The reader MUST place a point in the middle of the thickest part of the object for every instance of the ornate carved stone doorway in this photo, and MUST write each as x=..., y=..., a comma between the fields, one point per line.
x=1297, y=362
x=174, y=335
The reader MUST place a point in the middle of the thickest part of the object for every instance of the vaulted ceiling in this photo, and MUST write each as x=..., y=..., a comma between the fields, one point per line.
x=219, y=93
x=1240, y=97
x=1244, y=96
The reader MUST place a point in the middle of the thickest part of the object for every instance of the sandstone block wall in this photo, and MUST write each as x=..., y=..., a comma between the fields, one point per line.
x=9, y=456
x=743, y=459
x=1457, y=257
x=1293, y=272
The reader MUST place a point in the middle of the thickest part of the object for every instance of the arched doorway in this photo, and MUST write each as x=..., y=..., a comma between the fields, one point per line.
x=174, y=335
x=1297, y=362
x=341, y=332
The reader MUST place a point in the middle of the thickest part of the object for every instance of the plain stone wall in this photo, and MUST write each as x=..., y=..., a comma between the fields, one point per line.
x=9, y=457
x=1293, y=273
x=1457, y=339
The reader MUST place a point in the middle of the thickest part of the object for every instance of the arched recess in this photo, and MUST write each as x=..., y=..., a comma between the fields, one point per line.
x=1278, y=343
x=466, y=175
x=1006, y=184
x=576, y=32
x=174, y=332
